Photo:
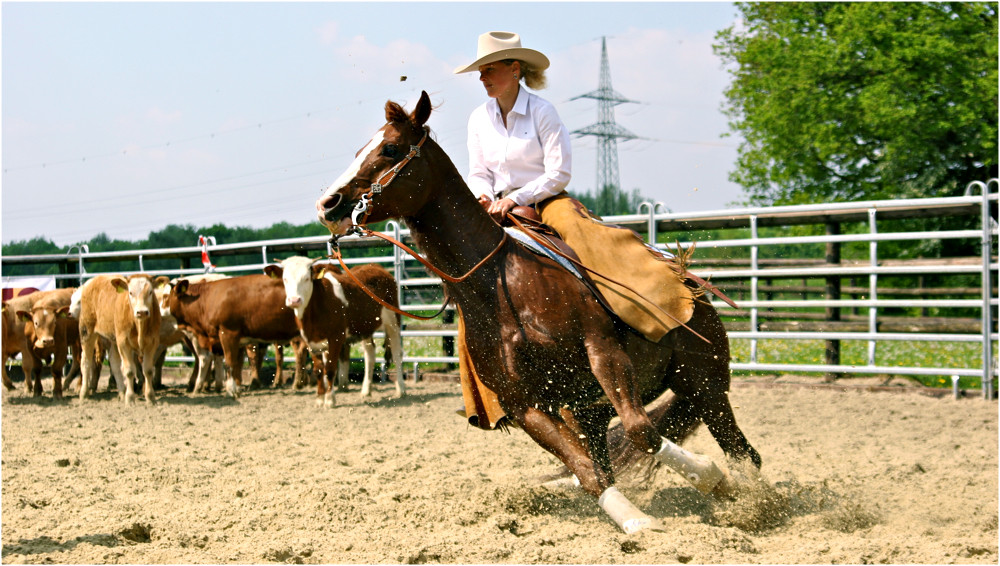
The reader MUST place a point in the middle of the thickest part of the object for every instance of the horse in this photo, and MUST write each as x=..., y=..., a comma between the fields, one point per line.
x=561, y=365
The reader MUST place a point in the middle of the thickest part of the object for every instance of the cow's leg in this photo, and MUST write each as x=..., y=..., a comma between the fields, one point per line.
x=344, y=369
x=301, y=351
x=279, y=366
x=28, y=368
x=6, y=378
x=219, y=369
x=394, y=337
x=121, y=358
x=75, y=368
x=368, y=347
x=33, y=380
x=149, y=363
x=87, y=364
x=158, y=361
x=255, y=359
x=321, y=380
x=204, y=367
x=58, y=365
x=234, y=359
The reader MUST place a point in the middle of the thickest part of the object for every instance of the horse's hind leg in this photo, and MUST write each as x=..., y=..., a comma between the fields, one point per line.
x=701, y=375
x=674, y=418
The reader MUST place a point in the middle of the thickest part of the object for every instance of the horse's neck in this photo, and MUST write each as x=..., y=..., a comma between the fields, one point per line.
x=454, y=230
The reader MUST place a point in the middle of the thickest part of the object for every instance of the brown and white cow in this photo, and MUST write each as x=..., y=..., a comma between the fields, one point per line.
x=49, y=333
x=315, y=293
x=124, y=312
x=233, y=313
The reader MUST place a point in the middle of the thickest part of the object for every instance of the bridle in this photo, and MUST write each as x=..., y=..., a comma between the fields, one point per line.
x=364, y=205
x=362, y=211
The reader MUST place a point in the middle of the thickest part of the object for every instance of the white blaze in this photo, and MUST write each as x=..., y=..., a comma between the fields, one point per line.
x=355, y=167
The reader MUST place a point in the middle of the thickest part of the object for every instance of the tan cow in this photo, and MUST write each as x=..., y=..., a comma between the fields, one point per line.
x=13, y=334
x=125, y=312
x=49, y=333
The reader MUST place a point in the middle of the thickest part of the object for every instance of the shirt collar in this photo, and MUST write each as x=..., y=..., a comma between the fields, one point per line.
x=520, y=105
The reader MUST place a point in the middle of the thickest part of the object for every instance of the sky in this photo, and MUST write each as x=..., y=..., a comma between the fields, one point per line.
x=124, y=118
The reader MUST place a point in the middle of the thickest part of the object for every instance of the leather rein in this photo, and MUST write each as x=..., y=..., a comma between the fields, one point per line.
x=360, y=218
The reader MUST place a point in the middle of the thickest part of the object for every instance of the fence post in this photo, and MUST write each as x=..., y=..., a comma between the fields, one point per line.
x=832, y=294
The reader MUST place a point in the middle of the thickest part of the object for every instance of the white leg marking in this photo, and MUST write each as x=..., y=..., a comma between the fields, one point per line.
x=624, y=513
x=700, y=470
x=368, y=344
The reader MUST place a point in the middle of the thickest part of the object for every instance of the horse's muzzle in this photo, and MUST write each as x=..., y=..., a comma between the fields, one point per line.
x=335, y=207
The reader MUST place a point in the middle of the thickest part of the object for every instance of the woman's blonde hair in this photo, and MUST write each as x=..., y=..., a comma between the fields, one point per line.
x=533, y=78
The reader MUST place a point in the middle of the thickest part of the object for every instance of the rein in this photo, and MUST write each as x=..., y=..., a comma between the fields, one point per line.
x=451, y=279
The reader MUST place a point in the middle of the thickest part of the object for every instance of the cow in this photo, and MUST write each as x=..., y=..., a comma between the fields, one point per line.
x=208, y=352
x=49, y=332
x=125, y=313
x=233, y=313
x=13, y=334
x=318, y=295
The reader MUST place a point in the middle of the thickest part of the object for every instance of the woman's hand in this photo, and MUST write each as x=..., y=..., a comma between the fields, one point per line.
x=498, y=209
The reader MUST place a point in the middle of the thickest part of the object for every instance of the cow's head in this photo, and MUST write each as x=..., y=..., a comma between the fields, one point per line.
x=141, y=298
x=296, y=274
x=44, y=320
x=161, y=288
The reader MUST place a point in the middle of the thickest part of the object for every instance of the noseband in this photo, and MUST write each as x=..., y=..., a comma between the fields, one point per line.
x=363, y=209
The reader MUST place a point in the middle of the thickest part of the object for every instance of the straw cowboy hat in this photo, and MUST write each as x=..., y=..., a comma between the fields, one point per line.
x=500, y=45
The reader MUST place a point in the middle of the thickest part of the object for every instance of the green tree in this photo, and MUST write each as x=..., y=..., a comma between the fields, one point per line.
x=862, y=100
x=610, y=200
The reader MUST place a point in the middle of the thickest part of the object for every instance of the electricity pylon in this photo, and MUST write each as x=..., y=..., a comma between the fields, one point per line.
x=606, y=130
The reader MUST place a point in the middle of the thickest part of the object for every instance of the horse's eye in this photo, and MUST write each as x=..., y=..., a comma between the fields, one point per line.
x=390, y=150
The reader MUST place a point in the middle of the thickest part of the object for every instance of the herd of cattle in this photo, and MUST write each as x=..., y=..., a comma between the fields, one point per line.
x=133, y=320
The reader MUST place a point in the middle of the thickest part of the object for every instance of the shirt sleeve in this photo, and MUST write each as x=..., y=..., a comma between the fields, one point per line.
x=558, y=157
x=480, y=179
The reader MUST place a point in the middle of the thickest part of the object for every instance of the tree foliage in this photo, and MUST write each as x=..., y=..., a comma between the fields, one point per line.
x=862, y=100
x=610, y=200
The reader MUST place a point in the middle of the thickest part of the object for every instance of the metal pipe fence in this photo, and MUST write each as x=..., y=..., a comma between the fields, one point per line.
x=869, y=220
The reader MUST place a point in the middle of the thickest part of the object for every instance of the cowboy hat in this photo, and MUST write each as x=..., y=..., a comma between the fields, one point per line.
x=500, y=45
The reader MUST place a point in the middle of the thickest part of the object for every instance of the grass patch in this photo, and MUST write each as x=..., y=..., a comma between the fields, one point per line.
x=887, y=354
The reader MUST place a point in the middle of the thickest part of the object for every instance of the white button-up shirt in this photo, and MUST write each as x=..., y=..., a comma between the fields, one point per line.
x=532, y=154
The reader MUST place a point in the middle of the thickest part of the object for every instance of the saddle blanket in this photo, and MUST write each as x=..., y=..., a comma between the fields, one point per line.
x=539, y=249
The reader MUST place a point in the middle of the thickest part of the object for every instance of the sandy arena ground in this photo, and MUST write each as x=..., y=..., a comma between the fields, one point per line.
x=851, y=475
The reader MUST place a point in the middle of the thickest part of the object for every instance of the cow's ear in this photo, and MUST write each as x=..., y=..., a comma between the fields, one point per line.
x=274, y=271
x=24, y=316
x=161, y=281
x=4, y=306
x=63, y=312
x=119, y=284
x=181, y=287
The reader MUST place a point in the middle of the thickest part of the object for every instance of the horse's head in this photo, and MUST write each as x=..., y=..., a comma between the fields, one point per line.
x=379, y=184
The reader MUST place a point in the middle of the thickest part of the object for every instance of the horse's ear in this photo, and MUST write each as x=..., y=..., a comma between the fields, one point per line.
x=394, y=113
x=423, y=110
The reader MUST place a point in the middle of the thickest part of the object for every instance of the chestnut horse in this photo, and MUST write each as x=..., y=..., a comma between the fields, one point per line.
x=560, y=364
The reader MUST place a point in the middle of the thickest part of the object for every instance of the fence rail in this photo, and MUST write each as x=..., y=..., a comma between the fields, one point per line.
x=751, y=275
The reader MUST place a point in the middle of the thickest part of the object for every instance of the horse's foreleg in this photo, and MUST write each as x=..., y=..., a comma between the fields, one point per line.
x=564, y=441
